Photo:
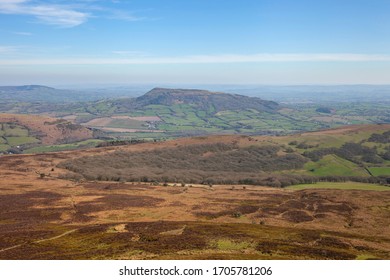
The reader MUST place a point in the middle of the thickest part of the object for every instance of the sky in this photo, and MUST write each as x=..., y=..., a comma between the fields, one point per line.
x=284, y=42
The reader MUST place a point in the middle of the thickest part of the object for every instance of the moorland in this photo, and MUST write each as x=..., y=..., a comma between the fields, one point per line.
x=257, y=180
x=141, y=201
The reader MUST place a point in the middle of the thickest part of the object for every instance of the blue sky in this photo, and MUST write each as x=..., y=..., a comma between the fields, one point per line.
x=195, y=41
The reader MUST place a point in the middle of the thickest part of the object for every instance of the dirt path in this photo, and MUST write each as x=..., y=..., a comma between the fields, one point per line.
x=40, y=241
x=10, y=248
x=56, y=237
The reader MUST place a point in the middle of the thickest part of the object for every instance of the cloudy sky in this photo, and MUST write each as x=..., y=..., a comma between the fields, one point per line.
x=194, y=41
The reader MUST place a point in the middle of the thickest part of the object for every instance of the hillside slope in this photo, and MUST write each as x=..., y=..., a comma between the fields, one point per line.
x=352, y=153
x=30, y=130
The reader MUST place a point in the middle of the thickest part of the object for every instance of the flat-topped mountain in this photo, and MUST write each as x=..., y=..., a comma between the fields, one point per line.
x=179, y=92
x=201, y=99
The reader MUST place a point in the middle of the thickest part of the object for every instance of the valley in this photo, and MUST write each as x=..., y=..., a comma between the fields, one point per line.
x=164, y=113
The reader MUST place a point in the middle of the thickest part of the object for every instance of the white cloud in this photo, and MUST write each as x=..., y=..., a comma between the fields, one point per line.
x=58, y=15
x=202, y=59
x=70, y=15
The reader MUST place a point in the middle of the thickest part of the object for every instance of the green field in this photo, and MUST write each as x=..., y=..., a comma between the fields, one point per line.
x=4, y=147
x=64, y=147
x=184, y=119
x=380, y=171
x=341, y=186
x=191, y=119
x=127, y=123
x=17, y=141
x=13, y=135
x=336, y=166
x=13, y=130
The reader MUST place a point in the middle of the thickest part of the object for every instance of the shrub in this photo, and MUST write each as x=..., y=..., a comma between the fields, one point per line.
x=237, y=214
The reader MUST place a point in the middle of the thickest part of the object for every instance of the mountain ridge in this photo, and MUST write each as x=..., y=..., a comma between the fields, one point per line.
x=203, y=99
x=25, y=88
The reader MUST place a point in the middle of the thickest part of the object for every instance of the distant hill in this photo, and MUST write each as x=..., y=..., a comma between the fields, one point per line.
x=166, y=112
x=34, y=93
x=187, y=112
x=204, y=99
x=169, y=113
x=5, y=89
x=45, y=94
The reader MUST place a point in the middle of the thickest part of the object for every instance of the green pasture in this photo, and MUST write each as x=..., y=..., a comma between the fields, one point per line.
x=340, y=186
x=64, y=147
x=380, y=171
x=333, y=165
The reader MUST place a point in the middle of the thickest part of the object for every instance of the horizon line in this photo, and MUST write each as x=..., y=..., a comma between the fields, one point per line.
x=206, y=59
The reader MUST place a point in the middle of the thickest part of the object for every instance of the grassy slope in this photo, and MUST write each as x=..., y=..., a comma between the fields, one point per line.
x=378, y=171
x=341, y=186
x=31, y=130
x=334, y=165
x=64, y=147
x=188, y=160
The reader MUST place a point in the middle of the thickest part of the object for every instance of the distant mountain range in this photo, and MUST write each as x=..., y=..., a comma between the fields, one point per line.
x=282, y=94
x=45, y=94
x=35, y=93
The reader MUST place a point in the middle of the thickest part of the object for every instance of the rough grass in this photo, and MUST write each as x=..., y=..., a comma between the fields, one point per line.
x=226, y=244
x=102, y=220
x=341, y=186
x=143, y=241
x=161, y=222
x=65, y=147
